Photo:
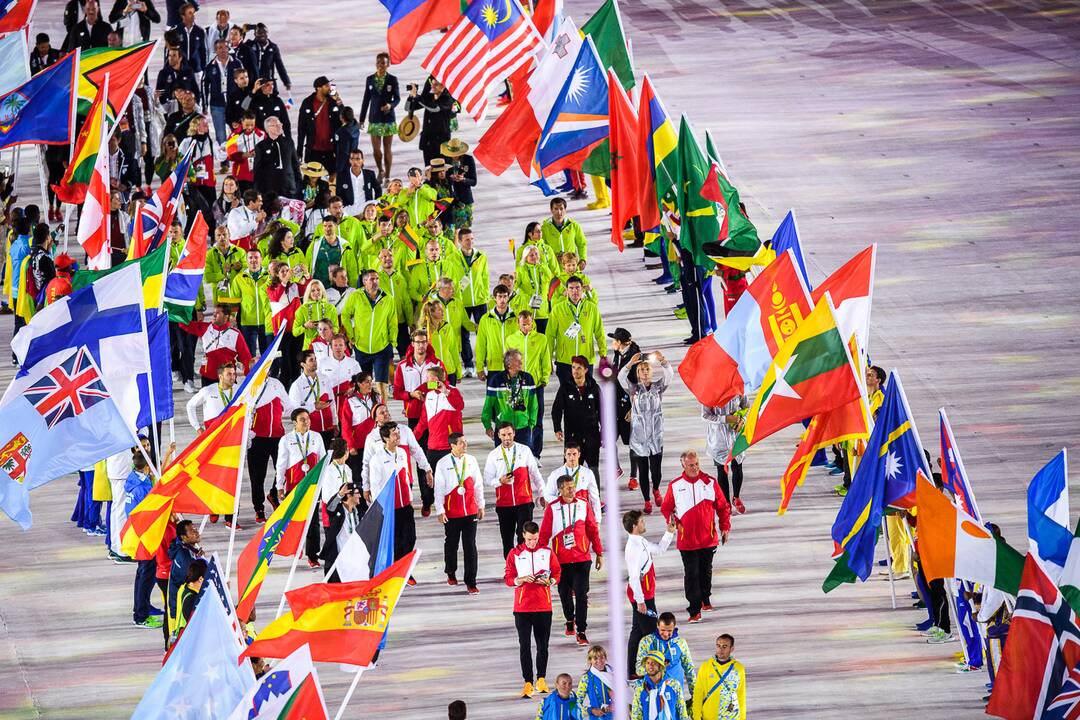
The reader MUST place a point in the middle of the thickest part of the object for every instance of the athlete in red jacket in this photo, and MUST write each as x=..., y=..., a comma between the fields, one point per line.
x=410, y=376
x=531, y=569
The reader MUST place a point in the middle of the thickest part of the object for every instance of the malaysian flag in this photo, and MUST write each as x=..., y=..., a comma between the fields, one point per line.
x=155, y=216
x=492, y=40
x=67, y=390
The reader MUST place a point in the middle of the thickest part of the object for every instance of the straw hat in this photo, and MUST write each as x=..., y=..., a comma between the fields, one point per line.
x=408, y=128
x=437, y=165
x=313, y=170
x=453, y=148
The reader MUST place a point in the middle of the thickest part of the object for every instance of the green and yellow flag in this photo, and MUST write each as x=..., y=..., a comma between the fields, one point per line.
x=124, y=67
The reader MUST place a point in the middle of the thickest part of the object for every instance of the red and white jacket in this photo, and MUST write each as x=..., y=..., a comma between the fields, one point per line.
x=295, y=450
x=459, y=486
x=357, y=419
x=519, y=462
x=409, y=376
x=585, y=487
x=223, y=344
x=381, y=466
x=696, y=503
x=640, y=571
x=531, y=597
x=284, y=301
x=203, y=159
x=440, y=415
x=272, y=405
x=337, y=375
x=304, y=392
x=374, y=443
x=570, y=528
x=239, y=143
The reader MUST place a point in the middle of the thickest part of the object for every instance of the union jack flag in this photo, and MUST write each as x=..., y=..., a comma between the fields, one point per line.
x=68, y=389
x=157, y=213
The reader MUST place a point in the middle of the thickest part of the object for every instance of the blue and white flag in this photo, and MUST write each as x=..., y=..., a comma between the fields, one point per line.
x=787, y=236
x=1049, y=537
x=14, y=61
x=578, y=121
x=270, y=698
x=62, y=421
x=39, y=110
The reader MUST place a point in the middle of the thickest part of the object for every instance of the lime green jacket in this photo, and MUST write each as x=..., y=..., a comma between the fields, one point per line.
x=533, y=281
x=370, y=327
x=446, y=342
x=350, y=228
x=420, y=204
x=472, y=277
x=560, y=288
x=568, y=239
x=547, y=256
x=589, y=341
x=292, y=258
x=491, y=337
x=374, y=246
x=348, y=261
x=254, y=302
x=314, y=311
x=219, y=273
x=535, y=354
x=398, y=289
x=422, y=278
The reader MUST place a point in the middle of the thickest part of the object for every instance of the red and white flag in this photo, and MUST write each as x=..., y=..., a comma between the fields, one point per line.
x=491, y=41
x=852, y=289
x=93, y=233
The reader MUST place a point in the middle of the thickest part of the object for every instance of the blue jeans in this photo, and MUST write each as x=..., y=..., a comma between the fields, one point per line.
x=221, y=128
x=256, y=339
x=378, y=364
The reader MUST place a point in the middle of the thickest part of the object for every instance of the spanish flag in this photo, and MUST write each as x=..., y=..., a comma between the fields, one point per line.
x=279, y=535
x=340, y=622
x=72, y=187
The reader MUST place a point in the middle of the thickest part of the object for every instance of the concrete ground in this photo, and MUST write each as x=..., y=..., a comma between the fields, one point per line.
x=945, y=132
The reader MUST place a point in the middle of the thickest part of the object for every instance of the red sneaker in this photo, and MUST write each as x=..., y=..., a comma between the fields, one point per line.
x=214, y=518
x=648, y=508
x=451, y=580
x=695, y=618
x=473, y=590
x=313, y=564
x=412, y=581
x=582, y=640
x=425, y=511
x=656, y=498
x=633, y=484
x=569, y=629
x=260, y=518
x=739, y=507
x=706, y=607
x=229, y=524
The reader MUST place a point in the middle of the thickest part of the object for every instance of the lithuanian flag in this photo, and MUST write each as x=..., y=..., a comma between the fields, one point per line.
x=340, y=622
x=279, y=535
x=72, y=187
x=123, y=67
x=410, y=237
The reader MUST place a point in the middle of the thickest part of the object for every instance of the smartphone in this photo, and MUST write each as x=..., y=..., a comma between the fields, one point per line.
x=333, y=88
x=433, y=385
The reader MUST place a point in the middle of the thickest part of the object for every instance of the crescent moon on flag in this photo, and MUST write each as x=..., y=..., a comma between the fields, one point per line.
x=509, y=11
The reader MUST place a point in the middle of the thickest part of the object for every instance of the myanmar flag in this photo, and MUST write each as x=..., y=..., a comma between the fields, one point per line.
x=72, y=187
x=952, y=544
x=340, y=622
x=124, y=66
x=812, y=373
x=279, y=535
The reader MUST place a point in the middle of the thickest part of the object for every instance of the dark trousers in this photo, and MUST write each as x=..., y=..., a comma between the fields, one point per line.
x=262, y=450
x=536, y=439
x=533, y=625
x=256, y=339
x=461, y=530
x=287, y=367
x=736, y=479
x=163, y=585
x=403, y=340
x=144, y=585
x=641, y=625
x=427, y=494
x=183, y=352
x=691, y=297
x=574, y=593
x=648, y=468
x=404, y=531
x=512, y=519
x=20, y=323
x=313, y=541
x=475, y=313
x=939, y=605
x=697, y=577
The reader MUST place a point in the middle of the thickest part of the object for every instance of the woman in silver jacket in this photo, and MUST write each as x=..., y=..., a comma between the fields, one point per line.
x=722, y=425
x=647, y=421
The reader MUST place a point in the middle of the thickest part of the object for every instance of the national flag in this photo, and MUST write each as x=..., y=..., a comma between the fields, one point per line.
x=289, y=691
x=152, y=270
x=1069, y=582
x=158, y=212
x=214, y=582
x=184, y=282
x=202, y=480
x=107, y=318
x=953, y=475
x=953, y=544
x=39, y=110
x=370, y=549
x=14, y=61
x=852, y=289
x=578, y=121
x=15, y=14
x=659, y=141
x=93, y=231
x=737, y=234
x=341, y=622
x=733, y=360
x=787, y=236
x=279, y=535
x=1039, y=675
x=123, y=66
x=63, y=421
x=250, y=389
x=201, y=678
x=699, y=223
x=605, y=29
x=627, y=166
x=885, y=477
x=811, y=374
x=93, y=136
x=409, y=19
x=1048, y=514
x=491, y=41
x=410, y=237
x=513, y=135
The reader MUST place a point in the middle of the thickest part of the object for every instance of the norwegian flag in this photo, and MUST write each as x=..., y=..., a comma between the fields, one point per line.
x=155, y=216
x=68, y=389
x=184, y=282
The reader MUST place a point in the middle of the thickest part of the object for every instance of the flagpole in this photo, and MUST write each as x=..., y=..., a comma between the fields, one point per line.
x=239, y=487
x=149, y=361
x=349, y=694
x=888, y=561
x=299, y=551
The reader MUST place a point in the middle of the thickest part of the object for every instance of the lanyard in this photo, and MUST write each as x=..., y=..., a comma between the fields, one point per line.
x=307, y=442
x=534, y=271
x=509, y=462
x=460, y=473
x=340, y=470
x=225, y=399
x=573, y=514
x=313, y=387
x=575, y=310
x=577, y=471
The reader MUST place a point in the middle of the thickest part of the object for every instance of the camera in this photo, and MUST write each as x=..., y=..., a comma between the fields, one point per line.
x=410, y=87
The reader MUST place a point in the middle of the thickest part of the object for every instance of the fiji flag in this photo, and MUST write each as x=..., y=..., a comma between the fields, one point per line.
x=1048, y=515
x=39, y=110
x=578, y=121
x=184, y=283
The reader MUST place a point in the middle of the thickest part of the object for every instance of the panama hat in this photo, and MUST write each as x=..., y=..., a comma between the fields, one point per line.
x=313, y=170
x=438, y=165
x=408, y=128
x=454, y=148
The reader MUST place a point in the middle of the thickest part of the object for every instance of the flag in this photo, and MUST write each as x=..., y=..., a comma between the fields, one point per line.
x=737, y=233
x=579, y=118
x=605, y=29
x=733, y=360
x=15, y=14
x=1070, y=576
x=1039, y=675
x=787, y=236
x=93, y=231
x=289, y=690
x=39, y=110
x=953, y=544
x=699, y=223
x=218, y=585
x=93, y=136
x=14, y=61
x=852, y=289
x=409, y=237
x=409, y=19
x=513, y=135
x=370, y=549
x=487, y=44
x=64, y=420
x=886, y=476
x=123, y=66
x=341, y=622
x=158, y=212
x=659, y=141
x=201, y=679
x=953, y=475
x=202, y=480
x=107, y=318
x=1048, y=514
x=251, y=389
x=627, y=168
x=279, y=535
x=812, y=373
x=184, y=282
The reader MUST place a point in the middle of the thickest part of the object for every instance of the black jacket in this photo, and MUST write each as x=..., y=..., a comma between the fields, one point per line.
x=576, y=411
x=345, y=190
x=211, y=82
x=38, y=63
x=169, y=79
x=146, y=18
x=462, y=190
x=240, y=101
x=438, y=112
x=192, y=46
x=264, y=106
x=262, y=62
x=177, y=123
x=305, y=123
x=346, y=139
x=84, y=37
x=336, y=511
x=618, y=362
x=129, y=173
x=172, y=11
x=374, y=99
x=276, y=167
x=181, y=556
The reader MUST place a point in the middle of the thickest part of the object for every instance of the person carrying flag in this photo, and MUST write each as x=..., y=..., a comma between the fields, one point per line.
x=656, y=696
x=720, y=693
x=512, y=470
x=459, y=505
x=394, y=462
x=298, y=452
x=531, y=569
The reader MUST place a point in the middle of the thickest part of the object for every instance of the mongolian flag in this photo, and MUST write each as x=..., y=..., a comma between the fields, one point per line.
x=341, y=622
x=124, y=68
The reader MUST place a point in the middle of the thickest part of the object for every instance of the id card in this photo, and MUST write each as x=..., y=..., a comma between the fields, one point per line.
x=535, y=302
x=568, y=539
x=573, y=331
x=466, y=281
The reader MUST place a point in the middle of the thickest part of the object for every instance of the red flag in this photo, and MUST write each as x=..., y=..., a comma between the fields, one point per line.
x=93, y=232
x=626, y=166
x=511, y=137
x=16, y=15
x=411, y=19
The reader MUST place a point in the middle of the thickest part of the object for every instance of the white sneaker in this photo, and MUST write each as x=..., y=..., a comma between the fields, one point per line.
x=189, y=387
x=175, y=376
